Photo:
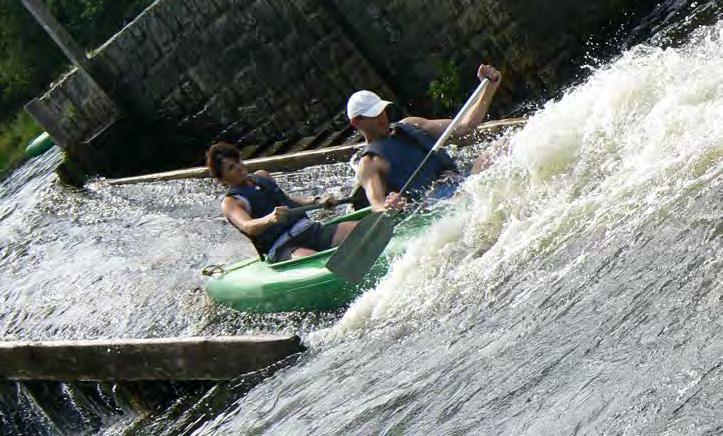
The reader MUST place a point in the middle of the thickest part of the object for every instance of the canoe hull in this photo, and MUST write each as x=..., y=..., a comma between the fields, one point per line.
x=39, y=145
x=303, y=284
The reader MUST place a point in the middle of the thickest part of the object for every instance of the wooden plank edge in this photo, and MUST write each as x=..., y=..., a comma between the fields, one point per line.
x=294, y=161
x=191, y=358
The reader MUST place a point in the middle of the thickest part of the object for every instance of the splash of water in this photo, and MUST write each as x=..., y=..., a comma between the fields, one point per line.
x=637, y=137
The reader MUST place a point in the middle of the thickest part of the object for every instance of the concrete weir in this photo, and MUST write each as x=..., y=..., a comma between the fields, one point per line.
x=172, y=359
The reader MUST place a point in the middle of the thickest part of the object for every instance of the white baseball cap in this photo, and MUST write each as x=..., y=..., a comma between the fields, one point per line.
x=365, y=103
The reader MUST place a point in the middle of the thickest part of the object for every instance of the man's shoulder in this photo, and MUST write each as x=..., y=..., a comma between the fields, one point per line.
x=417, y=122
x=373, y=161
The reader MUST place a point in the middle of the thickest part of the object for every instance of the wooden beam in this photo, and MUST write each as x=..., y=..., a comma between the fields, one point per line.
x=295, y=161
x=281, y=163
x=75, y=53
x=62, y=38
x=193, y=358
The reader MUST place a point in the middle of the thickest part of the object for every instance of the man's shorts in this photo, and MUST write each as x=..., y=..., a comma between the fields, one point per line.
x=317, y=237
x=445, y=187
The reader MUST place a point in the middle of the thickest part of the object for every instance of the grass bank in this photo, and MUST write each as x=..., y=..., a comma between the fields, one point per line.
x=15, y=134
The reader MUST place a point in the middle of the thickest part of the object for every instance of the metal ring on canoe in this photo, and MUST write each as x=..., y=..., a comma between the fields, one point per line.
x=212, y=270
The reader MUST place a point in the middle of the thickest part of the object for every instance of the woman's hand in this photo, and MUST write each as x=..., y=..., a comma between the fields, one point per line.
x=329, y=202
x=279, y=215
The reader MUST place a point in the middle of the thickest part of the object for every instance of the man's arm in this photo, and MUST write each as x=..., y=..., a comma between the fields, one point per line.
x=234, y=210
x=474, y=116
x=370, y=175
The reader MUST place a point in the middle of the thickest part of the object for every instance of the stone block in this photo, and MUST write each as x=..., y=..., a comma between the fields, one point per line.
x=145, y=22
x=184, y=14
x=225, y=5
x=204, y=80
x=119, y=50
x=49, y=119
x=104, y=61
x=208, y=8
x=192, y=94
x=173, y=105
x=77, y=89
x=165, y=13
x=306, y=7
x=72, y=124
x=220, y=107
x=163, y=76
x=243, y=19
x=162, y=36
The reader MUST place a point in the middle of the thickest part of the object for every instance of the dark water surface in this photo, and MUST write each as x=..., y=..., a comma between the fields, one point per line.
x=575, y=287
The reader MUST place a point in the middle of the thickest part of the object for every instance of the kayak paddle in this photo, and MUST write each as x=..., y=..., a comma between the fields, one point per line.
x=363, y=246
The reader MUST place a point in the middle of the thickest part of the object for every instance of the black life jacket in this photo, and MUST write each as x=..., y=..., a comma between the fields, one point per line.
x=263, y=196
x=404, y=149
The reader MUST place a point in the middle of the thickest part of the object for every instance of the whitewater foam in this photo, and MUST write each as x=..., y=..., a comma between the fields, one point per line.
x=620, y=148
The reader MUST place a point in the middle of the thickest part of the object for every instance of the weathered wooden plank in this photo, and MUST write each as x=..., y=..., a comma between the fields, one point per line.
x=295, y=161
x=90, y=103
x=192, y=358
x=57, y=32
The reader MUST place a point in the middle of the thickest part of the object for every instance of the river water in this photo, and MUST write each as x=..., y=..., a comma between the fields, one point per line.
x=573, y=287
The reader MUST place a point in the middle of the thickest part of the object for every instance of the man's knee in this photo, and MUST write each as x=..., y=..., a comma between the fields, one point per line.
x=302, y=252
x=483, y=161
x=342, y=231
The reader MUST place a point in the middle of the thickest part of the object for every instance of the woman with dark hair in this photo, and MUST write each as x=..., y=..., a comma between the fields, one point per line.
x=256, y=206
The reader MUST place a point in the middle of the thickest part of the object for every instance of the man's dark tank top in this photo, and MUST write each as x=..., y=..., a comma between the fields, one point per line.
x=404, y=149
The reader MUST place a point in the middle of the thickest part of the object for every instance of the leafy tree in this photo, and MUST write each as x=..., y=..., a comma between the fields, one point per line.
x=446, y=88
x=29, y=60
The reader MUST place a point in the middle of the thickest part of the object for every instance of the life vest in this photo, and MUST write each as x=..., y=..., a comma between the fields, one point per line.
x=263, y=196
x=404, y=149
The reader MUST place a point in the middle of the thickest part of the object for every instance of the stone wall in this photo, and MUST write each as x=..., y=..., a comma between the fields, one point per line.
x=538, y=44
x=259, y=71
x=273, y=75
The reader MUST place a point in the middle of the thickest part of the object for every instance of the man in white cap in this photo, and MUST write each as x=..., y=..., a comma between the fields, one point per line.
x=394, y=151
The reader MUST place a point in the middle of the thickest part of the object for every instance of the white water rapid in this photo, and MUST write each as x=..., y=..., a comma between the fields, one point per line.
x=573, y=287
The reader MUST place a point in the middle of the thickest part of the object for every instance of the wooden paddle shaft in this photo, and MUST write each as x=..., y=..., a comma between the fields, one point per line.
x=302, y=209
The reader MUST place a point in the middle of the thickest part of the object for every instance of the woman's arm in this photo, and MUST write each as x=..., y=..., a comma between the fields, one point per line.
x=235, y=212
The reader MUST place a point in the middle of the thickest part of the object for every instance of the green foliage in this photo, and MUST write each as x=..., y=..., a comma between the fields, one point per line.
x=15, y=135
x=26, y=57
x=29, y=60
x=446, y=89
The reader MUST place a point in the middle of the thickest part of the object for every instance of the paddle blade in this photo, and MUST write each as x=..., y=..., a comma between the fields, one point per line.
x=356, y=255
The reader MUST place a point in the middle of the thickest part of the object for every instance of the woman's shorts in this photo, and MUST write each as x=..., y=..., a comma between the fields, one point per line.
x=317, y=237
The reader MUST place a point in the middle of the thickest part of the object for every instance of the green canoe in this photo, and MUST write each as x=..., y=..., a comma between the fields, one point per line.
x=302, y=284
x=39, y=145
